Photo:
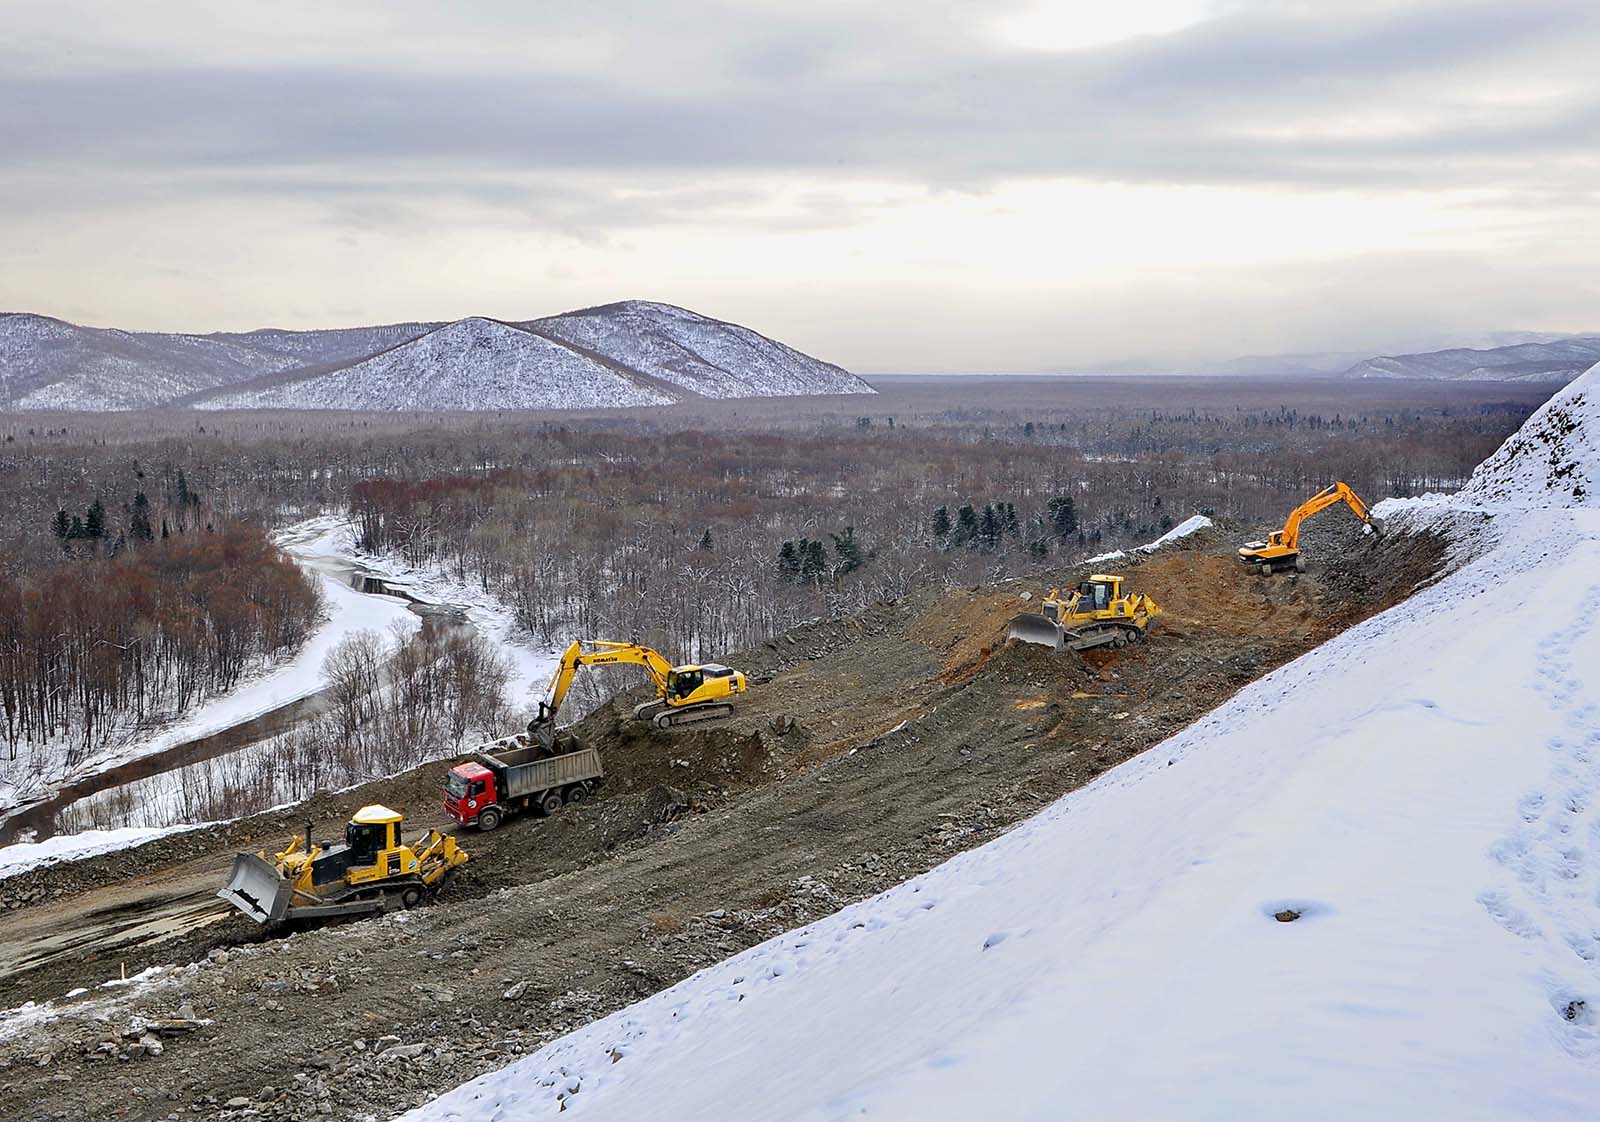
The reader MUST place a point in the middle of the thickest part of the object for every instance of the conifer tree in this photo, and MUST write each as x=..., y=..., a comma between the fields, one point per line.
x=1063, y=516
x=966, y=525
x=94, y=525
x=848, y=550
x=139, y=528
x=989, y=527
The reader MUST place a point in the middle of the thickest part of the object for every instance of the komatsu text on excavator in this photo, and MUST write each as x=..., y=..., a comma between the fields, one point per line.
x=1281, y=550
x=683, y=693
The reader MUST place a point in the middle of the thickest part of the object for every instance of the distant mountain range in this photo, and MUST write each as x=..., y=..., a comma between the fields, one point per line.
x=1513, y=356
x=1558, y=361
x=630, y=353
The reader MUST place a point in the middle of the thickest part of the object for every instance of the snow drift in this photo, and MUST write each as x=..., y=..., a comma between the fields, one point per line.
x=1365, y=887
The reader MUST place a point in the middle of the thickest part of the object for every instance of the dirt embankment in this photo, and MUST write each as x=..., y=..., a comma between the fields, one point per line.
x=883, y=744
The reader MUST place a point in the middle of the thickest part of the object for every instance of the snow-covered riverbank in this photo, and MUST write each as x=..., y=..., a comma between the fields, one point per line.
x=42, y=769
x=330, y=540
x=325, y=547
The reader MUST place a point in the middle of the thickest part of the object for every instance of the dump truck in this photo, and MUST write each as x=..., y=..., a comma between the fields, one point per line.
x=373, y=871
x=509, y=776
x=1095, y=614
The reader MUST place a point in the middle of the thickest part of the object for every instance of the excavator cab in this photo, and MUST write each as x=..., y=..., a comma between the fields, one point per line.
x=682, y=682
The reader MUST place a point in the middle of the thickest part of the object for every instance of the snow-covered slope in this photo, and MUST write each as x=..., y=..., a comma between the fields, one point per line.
x=1553, y=459
x=1421, y=795
x=470, y=364
x=632, y=353
x=705, y=356
x=1558, y=360
x=48, y=363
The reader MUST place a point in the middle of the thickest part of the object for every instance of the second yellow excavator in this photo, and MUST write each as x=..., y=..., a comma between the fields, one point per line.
x=1281, y=550
x=696, y=692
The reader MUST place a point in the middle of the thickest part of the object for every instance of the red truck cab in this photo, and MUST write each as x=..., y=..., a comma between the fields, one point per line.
x=468, y=788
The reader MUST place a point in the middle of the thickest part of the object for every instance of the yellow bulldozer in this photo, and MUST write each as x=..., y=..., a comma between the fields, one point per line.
x=373, y=871
x=1095, y=614
x=1281, y=550
x=693, y=692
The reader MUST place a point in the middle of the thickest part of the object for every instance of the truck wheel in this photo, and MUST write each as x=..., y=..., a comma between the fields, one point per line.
x=489, y=819
x=576, y=794
x=550, y=803
x=411, y=897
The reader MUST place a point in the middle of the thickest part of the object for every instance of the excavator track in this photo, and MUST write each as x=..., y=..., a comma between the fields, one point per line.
x=661, y=715
x=1296, y=564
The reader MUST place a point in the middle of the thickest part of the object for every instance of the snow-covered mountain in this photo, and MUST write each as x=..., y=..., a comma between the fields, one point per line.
x=632, y=353
x=1365, y=887
x=470, y=364
x=48, y=363
x=1557, y=360
x=705, y=356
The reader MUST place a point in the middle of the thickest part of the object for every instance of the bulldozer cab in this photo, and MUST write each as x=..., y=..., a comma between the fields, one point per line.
x=372, y=840
x=1097, y=593
x=367, y=839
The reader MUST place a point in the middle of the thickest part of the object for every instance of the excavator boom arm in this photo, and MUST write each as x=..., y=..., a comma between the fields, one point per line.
x=601, y=652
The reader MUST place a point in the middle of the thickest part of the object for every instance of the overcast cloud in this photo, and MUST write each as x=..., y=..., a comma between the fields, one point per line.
x=892, y=186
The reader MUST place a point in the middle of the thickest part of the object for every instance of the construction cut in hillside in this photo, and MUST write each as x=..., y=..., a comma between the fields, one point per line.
x=881, y=744
x=1363, y=887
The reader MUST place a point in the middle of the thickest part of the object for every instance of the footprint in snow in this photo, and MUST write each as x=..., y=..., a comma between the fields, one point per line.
x=1531, y=806
x=1500, y=908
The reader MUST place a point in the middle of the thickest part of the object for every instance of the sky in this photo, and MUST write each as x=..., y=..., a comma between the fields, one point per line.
x=931, y=185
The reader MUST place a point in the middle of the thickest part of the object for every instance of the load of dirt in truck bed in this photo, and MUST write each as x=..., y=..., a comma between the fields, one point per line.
x=881, y=745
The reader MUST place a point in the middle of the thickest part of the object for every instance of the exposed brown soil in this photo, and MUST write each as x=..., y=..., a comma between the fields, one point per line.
x=882, y=745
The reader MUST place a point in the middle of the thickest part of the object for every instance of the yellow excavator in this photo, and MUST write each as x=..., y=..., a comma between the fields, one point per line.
x=373, y=871
x=1095, y=614
x=1281, y=550
x=695, y=692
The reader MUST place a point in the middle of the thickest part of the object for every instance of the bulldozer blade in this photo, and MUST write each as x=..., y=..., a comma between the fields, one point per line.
x=1035, y=627
x=257, y=889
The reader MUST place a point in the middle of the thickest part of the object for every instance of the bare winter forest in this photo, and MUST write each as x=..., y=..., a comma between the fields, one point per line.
x=136, y=565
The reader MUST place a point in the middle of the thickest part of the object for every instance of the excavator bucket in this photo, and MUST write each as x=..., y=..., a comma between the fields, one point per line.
x=1036, y=627
x=257, y=889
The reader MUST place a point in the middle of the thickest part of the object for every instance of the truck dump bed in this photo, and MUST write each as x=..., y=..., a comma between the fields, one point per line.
x=523, y=775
